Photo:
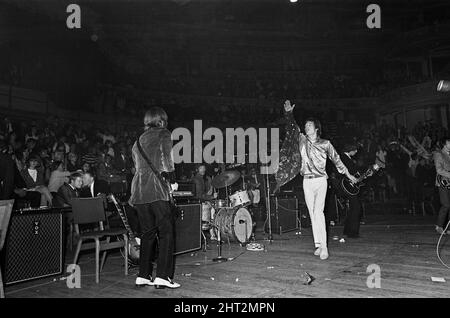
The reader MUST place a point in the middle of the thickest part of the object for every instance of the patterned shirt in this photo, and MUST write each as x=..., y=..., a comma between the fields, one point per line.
x=301, y=155
x=442, y=164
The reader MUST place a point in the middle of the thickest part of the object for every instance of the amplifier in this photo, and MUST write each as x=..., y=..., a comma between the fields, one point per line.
x=284, y=215
x=34, y=245
x=188, y=228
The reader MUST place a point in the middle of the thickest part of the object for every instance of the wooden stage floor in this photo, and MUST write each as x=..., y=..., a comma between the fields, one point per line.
x=403, y=246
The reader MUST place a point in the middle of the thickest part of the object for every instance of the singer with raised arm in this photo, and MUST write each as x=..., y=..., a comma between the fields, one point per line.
x=307, y=154
x=151, y=196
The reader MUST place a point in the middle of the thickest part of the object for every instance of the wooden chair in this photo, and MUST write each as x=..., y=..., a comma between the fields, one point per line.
x=91, y=211
x=6, y=207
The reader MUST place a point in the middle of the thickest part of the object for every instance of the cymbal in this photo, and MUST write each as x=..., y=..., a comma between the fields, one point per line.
x=226, y=179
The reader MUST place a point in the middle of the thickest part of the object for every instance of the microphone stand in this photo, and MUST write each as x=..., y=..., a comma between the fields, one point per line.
x=268, y=209
x=219, y=258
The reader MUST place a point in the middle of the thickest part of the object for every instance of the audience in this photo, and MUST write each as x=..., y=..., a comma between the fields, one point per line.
x=70, y=190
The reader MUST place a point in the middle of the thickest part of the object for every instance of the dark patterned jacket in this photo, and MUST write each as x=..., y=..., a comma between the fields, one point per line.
x=145, y=186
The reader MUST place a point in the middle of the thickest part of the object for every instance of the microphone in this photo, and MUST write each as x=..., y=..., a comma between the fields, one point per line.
x=443, y=86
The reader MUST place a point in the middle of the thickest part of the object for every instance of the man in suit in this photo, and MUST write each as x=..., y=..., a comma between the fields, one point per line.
x=70, y=190
x=352, y=222
x=122, y=162
x=93, y=187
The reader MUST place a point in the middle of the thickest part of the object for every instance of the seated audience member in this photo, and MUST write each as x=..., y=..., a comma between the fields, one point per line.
x=92, y=187
x=106, y=170
x=7, y=168
x=58, y=176
x=34, y=180
x=22, y=196
x=72, y=162
x=70, y=190
x=91, y=157
x=85, y=167
x=123, y=162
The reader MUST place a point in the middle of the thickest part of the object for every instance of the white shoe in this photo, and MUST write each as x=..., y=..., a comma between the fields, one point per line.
x=140, y=282
x=324, y=253
x=317, y=251
x=163, y=283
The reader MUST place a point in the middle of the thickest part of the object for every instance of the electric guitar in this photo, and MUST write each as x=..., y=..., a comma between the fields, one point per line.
x=443, y=181
x=353, y=189
x=133, y=242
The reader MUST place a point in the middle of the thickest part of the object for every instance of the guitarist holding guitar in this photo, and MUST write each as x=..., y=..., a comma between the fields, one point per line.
x=442, y=164
x=352, y=222
x=151, y=196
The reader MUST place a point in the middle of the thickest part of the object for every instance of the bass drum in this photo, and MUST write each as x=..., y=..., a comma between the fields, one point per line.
x=234, y=224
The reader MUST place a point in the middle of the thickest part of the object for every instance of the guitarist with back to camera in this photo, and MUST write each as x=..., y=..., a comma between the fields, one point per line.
x=352, y=222
x=442, y=164
x=151, y=196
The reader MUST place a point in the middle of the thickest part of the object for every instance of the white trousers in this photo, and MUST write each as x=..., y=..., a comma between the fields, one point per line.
x=315, y=192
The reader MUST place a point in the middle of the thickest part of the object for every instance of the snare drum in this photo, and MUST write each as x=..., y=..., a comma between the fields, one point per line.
x=240, y=198
x=219, y=203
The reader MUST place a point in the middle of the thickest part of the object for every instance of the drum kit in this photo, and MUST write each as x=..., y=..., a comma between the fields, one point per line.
x=229, y=216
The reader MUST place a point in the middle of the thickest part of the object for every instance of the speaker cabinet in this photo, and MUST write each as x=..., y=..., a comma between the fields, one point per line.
x=284, y=215
x=34, y=245
x=188, y=228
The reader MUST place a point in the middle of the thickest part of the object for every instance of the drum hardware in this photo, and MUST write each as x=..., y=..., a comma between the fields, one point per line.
x=219, y=258
x=244, y=222
x=268, y=208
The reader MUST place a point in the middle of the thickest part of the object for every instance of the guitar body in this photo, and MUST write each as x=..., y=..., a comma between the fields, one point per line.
x=349, y=188
x=443, y=181
x=134, y=251
x=352, y=189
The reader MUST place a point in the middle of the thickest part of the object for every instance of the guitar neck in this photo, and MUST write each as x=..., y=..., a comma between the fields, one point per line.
x=365, y=175
x=124, y=219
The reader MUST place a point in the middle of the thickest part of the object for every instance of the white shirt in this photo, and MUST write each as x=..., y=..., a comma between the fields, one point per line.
x=380, y=159
x=33, y=174
x=91, y=187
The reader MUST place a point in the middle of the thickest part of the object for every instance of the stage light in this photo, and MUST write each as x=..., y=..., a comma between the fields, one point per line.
x=293, y=1
x=443, y=86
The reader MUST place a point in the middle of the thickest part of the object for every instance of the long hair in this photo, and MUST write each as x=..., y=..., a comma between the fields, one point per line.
x=317, y=125
x=155, y=117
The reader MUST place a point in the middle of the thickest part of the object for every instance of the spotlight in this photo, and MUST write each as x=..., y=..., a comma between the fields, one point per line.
x=443, y=86
x=293, y=1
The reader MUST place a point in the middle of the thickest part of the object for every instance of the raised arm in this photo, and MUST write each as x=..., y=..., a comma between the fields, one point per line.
x=290, y=160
